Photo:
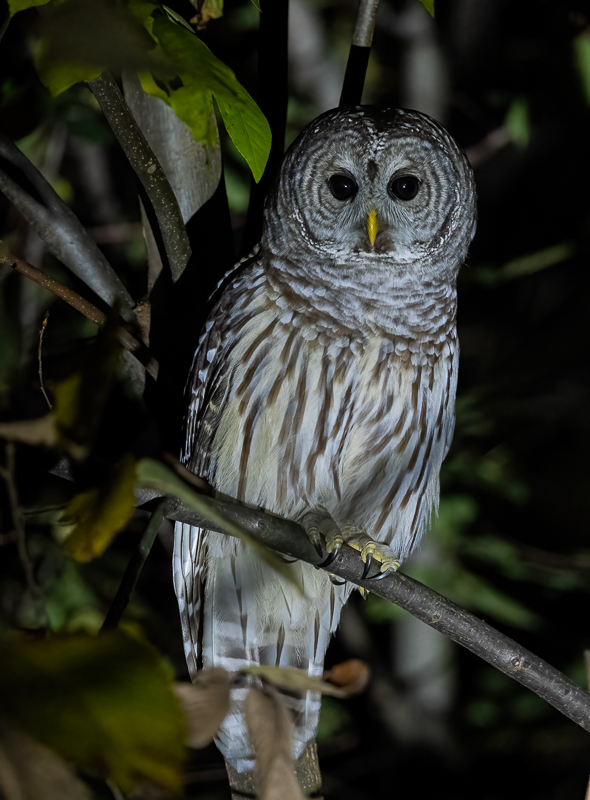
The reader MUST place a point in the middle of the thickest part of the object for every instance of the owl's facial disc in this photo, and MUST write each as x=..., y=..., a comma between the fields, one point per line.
x=387, y=187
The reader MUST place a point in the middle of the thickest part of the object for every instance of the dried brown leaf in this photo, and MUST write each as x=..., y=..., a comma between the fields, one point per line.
x=292, y=679
x=41, y=430
x=269, y=731
x=351, y=677
x=29, y=770
x=205, y=704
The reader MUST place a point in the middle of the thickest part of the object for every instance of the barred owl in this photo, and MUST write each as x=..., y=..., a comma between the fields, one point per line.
x=323, y=387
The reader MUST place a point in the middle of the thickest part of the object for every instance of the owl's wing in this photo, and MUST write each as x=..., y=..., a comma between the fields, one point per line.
x=207, y=389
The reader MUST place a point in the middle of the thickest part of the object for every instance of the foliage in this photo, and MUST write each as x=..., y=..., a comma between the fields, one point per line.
x=510, y=540
x=177, y=66
x=103, y=704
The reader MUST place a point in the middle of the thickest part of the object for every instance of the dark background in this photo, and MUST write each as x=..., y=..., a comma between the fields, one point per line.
x=512, y=84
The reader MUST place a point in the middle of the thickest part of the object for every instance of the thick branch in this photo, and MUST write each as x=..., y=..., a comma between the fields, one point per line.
x=62, y=232
x=90, y=311
x=148, y=170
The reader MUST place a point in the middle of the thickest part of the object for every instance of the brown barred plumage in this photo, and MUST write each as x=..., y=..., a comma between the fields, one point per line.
x=324, y=383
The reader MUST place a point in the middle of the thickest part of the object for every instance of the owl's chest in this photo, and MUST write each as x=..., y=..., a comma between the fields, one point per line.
x=303, y=415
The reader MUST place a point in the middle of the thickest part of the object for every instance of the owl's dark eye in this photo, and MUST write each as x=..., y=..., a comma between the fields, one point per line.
x=404, y=188
x=342, y=187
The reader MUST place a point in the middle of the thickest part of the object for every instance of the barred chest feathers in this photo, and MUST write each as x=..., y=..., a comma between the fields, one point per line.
x=318, y=413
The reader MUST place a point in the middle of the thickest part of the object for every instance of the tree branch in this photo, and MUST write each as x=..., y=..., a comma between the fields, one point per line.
x=147, y=168
x=134, y=568
x=62, y=232
x=427, y=605
x=358, y=57
x=91, y=312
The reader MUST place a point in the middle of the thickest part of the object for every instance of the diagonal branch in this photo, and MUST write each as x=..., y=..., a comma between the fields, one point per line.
x=422, y=602
x=147, y=168
x=62, y=232
x=427, y=605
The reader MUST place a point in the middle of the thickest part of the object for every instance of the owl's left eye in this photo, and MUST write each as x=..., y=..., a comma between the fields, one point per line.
x=404, y=188
x=343, y=187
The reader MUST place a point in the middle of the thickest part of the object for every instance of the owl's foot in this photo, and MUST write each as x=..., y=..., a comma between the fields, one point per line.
x=369, y=550
x=316, y=523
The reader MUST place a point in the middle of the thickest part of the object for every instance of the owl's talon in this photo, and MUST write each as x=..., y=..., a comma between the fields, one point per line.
x=315, y=538
x=368, y=563
x=335, y=581
x=387, y=571
x=289, y=560
x=331, y=558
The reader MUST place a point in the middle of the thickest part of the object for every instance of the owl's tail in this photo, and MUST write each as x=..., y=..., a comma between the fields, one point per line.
x=236, y=611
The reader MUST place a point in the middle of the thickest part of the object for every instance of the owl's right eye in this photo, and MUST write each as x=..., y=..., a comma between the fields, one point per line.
x=343, y=187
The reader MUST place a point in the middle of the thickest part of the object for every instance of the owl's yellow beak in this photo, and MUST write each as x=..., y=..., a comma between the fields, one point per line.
x=372, y=226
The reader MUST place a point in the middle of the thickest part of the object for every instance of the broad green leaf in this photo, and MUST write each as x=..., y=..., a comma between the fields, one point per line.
x=59, y=76
x=102, y=703
x=78, y=40
x=14, y=6
x=200, y=73
x=100, y=513
x=429, y=6
x=155, y=475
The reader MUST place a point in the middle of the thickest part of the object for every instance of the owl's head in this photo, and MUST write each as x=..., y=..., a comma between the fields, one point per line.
x=388, y=185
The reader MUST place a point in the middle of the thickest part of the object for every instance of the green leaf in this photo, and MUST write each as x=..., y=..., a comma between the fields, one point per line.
x=100, y=513
x=172, y=15
x=581, y=45
x=59, y=76
x=102, y=703
x=429, y=6
x=155, y=475
x=518, y=122
x=199, y=75
x=78, y=40
x=14, y=6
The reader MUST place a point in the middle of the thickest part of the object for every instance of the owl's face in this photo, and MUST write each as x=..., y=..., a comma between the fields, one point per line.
x=383, y=184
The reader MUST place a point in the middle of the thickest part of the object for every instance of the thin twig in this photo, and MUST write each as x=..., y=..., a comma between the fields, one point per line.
x=131, y=574
x=358, y=57
x=147, y=168
x=40, y=359
x=60, y=229
x=427, y=605
x=91, y=312
x=7, y=473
